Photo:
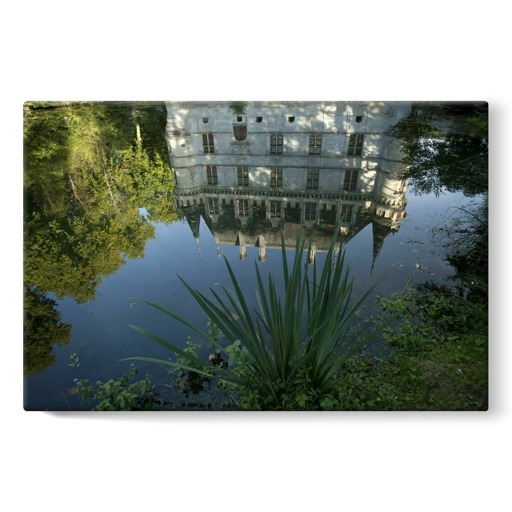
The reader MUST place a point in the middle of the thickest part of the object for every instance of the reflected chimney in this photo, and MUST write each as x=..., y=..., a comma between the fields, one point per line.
x=243, y=247
x=312, y=254
x=262, y=245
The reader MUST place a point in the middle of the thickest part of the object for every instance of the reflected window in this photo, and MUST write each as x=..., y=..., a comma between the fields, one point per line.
x=243, y=207
x=315, y=143
x=310, y=211
x=208, y=143
x=355, y=144
x=275, y=209
x=276, y=177
x=211, y=175
x=350, y=180
x=312, y=182
x=346, y=212
x=213, y=205
x=243, y=176
x=276, y=143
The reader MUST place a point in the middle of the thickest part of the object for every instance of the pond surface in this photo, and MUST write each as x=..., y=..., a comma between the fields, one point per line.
x=101, y=335
x=193, y=241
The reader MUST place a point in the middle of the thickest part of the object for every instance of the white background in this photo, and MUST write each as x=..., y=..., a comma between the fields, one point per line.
x=253, y=51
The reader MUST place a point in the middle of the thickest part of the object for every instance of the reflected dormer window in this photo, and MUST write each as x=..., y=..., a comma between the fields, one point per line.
x=315, y=143
x=208, y=143
x=309, y=211
x=275, y=209
x=355, y=144
x=346, y=213
x=243, y=207
x=276, y=143
x=213, y=205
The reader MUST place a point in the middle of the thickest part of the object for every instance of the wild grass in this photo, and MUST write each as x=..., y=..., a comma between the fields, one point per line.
x=438, y=357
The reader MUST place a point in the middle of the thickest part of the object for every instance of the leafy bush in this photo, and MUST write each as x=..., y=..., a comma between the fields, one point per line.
x=438, y=359
x=118, y=395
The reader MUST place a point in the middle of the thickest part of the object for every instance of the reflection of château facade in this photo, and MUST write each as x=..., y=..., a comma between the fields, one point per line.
x=254, y=170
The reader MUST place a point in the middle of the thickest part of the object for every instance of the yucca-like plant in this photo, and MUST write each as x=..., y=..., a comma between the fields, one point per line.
x=303, y=334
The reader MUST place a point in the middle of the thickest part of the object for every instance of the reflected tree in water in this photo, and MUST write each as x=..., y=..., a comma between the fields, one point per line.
x=88, y=169
x=42, y=329
x=446, y=147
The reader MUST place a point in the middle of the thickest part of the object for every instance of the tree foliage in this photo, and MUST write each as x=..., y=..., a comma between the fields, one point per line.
x=446, y=147
x=41, y=330
x=89, y=169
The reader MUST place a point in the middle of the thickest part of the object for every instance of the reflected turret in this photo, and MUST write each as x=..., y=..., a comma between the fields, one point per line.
x=193, y=217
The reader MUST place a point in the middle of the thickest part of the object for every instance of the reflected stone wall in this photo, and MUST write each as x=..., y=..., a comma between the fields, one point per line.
x=259, y=168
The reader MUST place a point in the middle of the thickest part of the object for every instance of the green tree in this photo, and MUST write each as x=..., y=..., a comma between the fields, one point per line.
x=89, y=167
x=42, y=329
x=446, y=147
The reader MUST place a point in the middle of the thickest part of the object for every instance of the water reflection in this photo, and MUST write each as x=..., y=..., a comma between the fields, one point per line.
x=105, y=189
x=258, y=170
x=88, y=168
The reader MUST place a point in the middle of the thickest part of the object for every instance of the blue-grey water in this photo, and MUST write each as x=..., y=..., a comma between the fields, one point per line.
x=101, y=335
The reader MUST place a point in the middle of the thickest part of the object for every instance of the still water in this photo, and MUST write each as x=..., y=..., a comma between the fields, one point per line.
x=239, y=178
x=101, y=335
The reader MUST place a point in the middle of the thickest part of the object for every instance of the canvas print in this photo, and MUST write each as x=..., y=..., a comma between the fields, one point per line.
x=255, y=256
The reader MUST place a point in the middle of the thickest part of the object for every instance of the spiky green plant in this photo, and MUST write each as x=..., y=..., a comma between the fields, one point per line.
x=302, y=335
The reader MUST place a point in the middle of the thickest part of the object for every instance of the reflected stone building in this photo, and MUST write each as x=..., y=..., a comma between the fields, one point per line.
x=258, y=169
